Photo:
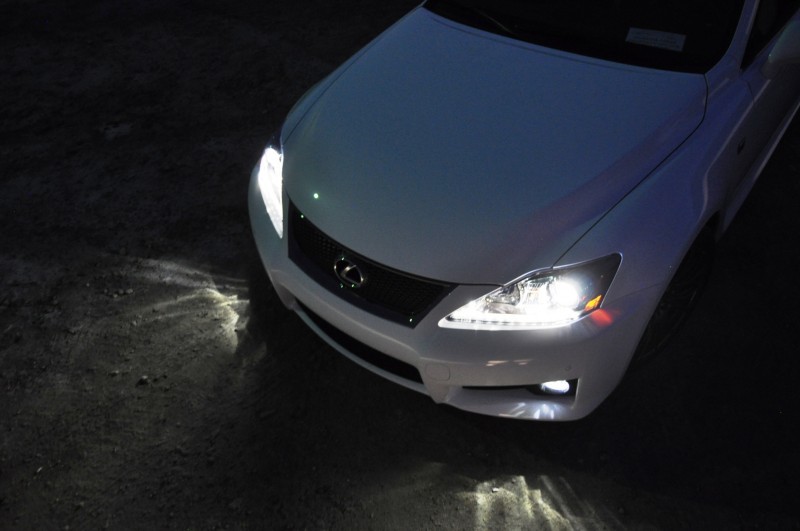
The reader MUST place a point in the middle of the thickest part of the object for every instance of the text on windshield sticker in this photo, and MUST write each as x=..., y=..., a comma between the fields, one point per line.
x=656, y=39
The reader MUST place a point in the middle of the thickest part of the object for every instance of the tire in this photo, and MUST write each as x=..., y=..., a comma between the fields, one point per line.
x=679, y=299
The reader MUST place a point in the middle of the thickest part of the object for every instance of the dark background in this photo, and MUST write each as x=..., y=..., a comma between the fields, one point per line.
x=149, y=378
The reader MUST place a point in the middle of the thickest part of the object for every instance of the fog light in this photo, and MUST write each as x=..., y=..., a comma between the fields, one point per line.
x=556, y=387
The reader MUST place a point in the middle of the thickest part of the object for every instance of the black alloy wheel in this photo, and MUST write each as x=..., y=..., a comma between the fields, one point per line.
x=679, y=299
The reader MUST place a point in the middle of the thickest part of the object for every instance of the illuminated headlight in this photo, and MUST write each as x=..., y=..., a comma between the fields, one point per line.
x=270, y=182
x=542, y=300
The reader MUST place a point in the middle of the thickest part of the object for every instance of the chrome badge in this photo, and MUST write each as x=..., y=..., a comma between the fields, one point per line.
x=348, y=273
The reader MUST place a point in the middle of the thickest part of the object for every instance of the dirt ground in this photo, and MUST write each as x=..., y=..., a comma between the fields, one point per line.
x=150, y=379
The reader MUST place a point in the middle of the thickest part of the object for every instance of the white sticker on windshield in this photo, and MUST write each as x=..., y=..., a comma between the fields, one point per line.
x=657, y=39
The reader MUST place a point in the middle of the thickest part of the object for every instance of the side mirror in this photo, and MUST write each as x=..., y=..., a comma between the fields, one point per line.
x=786, y=51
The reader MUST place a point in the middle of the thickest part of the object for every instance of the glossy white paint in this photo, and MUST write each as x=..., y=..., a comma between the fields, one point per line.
x=453, y=154
x=516, y=162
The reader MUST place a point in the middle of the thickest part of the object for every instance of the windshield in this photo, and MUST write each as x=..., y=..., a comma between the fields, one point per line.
x=683, y=35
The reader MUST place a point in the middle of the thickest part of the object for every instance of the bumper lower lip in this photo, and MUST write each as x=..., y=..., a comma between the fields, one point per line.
x=495, y=387
x=504, y=401
x=479, y=371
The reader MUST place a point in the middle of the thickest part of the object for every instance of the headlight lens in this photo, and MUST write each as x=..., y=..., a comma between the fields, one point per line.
x=270, y=182
x=542, y=300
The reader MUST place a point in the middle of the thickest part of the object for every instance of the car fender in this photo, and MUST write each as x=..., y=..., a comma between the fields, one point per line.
x=656, y=223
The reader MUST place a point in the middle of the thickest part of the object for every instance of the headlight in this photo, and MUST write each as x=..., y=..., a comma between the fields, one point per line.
x=542, y=300
x=270, y=182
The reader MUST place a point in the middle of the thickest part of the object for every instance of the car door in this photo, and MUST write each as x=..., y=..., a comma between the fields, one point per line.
x=774, y=94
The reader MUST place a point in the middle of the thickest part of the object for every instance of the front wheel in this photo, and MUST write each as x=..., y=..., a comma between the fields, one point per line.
x=679, y=299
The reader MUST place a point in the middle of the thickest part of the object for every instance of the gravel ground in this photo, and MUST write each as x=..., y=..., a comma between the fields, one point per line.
x=149, y=377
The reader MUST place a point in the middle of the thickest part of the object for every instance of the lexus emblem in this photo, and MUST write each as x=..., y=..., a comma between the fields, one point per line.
x=348, y=273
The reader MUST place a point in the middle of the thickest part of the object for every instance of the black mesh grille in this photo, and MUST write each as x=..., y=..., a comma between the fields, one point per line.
x=391, y=294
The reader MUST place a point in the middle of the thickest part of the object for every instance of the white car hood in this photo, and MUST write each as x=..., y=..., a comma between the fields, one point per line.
x=457, y=155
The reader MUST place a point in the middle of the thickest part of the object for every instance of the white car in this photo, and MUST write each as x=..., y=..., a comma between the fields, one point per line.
x=505, y=204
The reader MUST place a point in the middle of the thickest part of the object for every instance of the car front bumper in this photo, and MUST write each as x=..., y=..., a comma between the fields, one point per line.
x=488, y=372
